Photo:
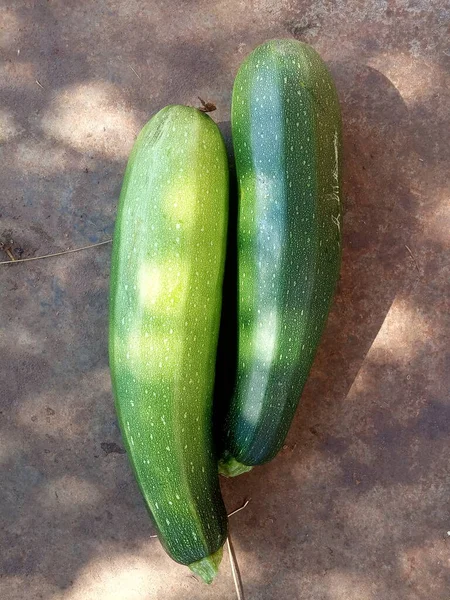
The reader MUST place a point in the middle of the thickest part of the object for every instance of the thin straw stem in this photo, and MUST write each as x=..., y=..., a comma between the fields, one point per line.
x=21, y=260
x=235, y=570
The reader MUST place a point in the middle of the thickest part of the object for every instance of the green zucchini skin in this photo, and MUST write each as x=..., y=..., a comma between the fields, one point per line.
x=286, y=128
x=165, y=302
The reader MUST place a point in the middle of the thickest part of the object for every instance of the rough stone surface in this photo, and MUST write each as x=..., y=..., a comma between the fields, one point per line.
x=356, y=505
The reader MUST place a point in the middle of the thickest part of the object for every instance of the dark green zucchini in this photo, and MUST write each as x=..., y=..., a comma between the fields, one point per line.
x=286, y=128
x=165, y=303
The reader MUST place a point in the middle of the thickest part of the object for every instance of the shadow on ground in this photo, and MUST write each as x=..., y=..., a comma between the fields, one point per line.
x=355, y=505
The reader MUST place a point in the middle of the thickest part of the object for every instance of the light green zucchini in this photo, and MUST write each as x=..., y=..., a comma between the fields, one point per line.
x=165, y=303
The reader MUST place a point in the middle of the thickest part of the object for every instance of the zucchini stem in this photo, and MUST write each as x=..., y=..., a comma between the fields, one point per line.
x=208, y=567
x=230, y=467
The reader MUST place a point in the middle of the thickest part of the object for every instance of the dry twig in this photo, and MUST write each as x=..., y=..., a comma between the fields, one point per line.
x=233, y=512
x=235, y=570
x=13, y=261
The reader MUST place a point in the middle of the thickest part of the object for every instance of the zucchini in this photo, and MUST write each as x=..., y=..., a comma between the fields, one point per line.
x=165, y=302
x=286, y=128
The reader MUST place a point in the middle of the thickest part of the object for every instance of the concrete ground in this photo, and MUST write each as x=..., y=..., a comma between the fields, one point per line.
x=356, y=507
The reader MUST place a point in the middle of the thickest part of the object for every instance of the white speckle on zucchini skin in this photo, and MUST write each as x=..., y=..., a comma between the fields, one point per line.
x=289, y=234
x=165, y=320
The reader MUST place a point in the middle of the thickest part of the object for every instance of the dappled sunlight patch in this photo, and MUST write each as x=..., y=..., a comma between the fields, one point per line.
x=25, y=340
x=10, y=29
x=317, y=467
x=40, y=157
x=341, y=585
x=436, y=216
x=266, y=336
x=8, y=128
x=162, y=285
x=91, y=117
x=400, y=339
x=421, y=566
x=403, y=333
x=121, y=577
x=416, y=80
x=36, y=411
x=150, y=284
x=57, y=408
x=25, y=585
x=180, y=196
x=160, y=353
x=68, y=492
